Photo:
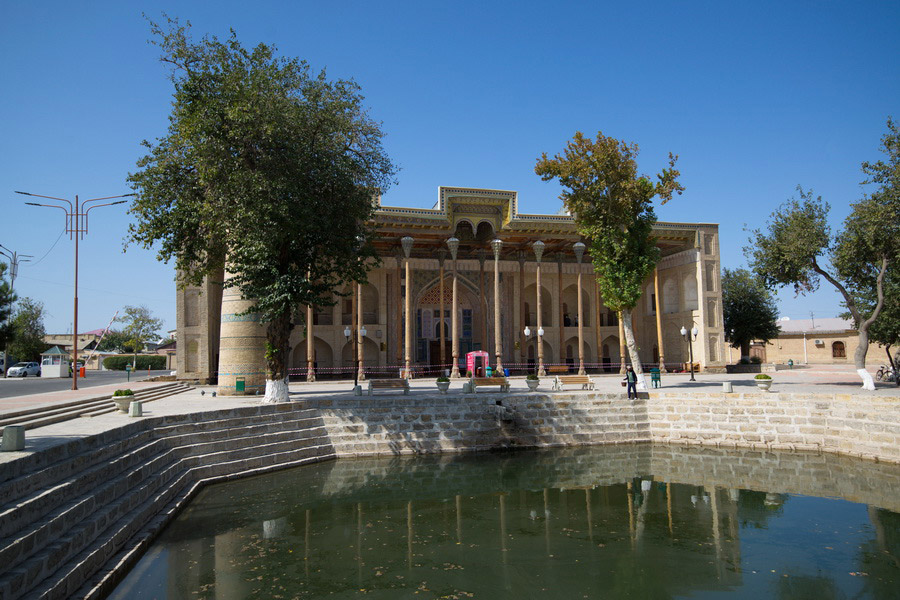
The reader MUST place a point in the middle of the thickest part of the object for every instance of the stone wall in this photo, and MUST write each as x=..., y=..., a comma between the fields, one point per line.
x=854, y=425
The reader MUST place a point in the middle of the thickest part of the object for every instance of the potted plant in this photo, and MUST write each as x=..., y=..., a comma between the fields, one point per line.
x=123, y=399
x=532, y=381
x=443, y=384
x=763, y=382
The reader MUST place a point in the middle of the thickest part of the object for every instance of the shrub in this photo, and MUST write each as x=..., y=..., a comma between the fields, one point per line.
x=125, y=392
x=755, y=360
x=443, y=379
x=144, y=361
x=744, y=361
x=762, y=376
x=531, y=377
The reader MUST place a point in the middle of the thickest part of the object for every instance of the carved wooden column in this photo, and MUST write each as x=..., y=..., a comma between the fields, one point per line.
x=360, y=353
x=482, y=302
x=310, y=346
x=559, y=316
x=579, y=253
x=659, y=331
x=399, y=306
x=453, y=244
x=407, y=243
x=522, y=316
x=538, y=252
x=442, y=254
x=496, y=245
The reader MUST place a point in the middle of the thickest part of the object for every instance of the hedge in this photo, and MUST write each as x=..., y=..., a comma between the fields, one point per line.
x=144, y=362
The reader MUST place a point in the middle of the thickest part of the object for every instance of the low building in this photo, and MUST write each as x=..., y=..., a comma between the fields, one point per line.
x=811, y=341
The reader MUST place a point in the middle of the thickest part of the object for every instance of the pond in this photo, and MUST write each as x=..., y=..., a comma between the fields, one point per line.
x=634, y=521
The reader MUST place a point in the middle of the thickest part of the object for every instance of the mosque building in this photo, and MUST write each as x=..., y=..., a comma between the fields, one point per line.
x=467, y=272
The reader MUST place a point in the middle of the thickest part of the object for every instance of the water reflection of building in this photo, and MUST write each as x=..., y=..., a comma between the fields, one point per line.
x=594, y=518
x=683, y=290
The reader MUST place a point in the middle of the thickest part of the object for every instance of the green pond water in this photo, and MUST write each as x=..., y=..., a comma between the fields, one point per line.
x=636, y=521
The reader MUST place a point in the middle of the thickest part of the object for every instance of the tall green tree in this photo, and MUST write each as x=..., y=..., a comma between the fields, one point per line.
x=613, y=209
x=798, y=247
x=749, y=310
x=28, y=330
x=139, y=327
x=267, y=167
x=7, y=299
x=115, y=341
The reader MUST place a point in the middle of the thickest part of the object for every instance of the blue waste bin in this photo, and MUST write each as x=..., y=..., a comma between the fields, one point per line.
x=506, y=372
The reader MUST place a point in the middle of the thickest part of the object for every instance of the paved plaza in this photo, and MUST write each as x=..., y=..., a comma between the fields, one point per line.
x=825, y=379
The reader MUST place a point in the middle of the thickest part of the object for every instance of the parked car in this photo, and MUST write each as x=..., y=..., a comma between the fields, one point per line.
x=24, y=369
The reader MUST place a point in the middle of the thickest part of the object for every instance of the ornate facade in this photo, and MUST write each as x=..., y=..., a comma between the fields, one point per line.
x=496, y=300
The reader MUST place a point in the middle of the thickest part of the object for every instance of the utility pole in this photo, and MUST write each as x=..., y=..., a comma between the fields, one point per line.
x=14, y=260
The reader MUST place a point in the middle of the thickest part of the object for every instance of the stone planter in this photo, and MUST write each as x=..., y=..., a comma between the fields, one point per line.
x=123, y=402
x=532, y=384
x=443, y=386
x=764, y=384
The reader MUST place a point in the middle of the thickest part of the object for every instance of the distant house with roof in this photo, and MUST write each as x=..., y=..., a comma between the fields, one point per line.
x=816, y=341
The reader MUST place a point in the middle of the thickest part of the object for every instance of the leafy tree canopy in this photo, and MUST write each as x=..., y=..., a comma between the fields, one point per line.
x=28, y=330
x=115, y=341
x=7, y=299
x=749, y=310
x=267, y=166
x=140, y=326
x=613, y=209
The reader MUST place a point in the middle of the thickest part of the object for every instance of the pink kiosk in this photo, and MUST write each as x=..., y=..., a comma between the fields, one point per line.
x=477, y=363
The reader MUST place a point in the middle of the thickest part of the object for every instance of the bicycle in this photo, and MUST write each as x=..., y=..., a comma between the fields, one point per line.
x=885, y=373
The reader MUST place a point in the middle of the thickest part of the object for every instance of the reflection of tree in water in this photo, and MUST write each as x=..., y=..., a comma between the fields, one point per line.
x=806, y=587
x=756, y=508
x=879, y=559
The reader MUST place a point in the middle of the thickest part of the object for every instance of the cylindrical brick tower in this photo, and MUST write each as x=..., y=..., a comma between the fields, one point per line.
x=242, y=346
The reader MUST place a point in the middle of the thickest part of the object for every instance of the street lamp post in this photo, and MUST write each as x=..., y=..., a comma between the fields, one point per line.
x=14, y=260
x=76, y=227
x=690, y=340
x=540, y=334
x=357, y=335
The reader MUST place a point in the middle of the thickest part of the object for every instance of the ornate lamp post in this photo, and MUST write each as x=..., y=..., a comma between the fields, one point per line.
x=453, y=244
x=357, y=335
x=690, y=339
x=579, y=254
x=538, y=247
x=496, y=245
x=540, y=334
x=76, y=227
x=407, y=243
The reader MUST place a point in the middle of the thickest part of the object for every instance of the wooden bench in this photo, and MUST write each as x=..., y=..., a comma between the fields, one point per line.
x=584, y=381
x=502, y=382
x=389, y=384
x=558, y=369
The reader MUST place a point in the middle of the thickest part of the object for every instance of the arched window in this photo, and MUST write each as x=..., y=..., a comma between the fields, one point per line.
x=837, y=350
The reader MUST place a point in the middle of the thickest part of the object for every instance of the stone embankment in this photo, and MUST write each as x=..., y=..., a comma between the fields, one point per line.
x=74, y=516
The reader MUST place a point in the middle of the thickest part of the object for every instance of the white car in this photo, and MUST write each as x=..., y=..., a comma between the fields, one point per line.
x=24, y=369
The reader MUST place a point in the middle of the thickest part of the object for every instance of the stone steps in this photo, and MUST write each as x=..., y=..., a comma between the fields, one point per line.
x=89, y=407
x=63, y=521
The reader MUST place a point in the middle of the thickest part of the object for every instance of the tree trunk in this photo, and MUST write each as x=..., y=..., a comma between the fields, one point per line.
x=745, y=350
x=632, y=348
x=859, y=357
x=278, y=334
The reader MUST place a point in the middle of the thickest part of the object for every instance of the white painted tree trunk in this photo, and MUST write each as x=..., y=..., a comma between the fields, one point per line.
x=633, y=349
x=276, y=391
x=868, y=382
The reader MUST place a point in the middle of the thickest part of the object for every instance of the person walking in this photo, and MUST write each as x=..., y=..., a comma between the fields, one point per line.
x=631, y=381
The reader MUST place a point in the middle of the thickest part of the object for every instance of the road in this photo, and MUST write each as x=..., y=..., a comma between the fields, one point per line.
x=22, y=386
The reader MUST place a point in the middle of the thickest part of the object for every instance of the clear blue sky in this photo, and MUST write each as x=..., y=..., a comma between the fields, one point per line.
x=755, y=97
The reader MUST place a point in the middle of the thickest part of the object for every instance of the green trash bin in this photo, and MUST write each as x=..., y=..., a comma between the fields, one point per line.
x=655, y=380
x=240, y=385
